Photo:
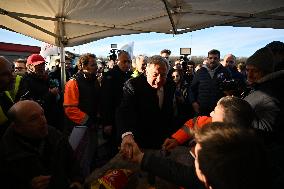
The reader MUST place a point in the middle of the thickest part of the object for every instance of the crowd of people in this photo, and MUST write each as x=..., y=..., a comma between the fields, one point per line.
x=232, y=118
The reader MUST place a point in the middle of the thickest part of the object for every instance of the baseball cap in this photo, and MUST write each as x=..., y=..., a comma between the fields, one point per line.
x=35, y=59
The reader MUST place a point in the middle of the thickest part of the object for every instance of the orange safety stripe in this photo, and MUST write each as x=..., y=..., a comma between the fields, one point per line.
x=183, y=134
x=71, y=102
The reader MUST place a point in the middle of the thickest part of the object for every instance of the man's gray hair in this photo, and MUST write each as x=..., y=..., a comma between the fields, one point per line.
x=139, y=57
x=158, y=60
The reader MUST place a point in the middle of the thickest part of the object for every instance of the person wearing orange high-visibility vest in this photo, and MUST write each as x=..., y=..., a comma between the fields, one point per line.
x=81, y=95
x=229, y=109
x=81, y=102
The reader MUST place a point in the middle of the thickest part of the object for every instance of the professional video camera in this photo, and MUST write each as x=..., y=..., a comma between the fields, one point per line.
x=184, y=52
x=184, y=58
x=113, y=51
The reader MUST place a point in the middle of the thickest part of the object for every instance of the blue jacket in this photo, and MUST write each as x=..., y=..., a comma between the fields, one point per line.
x=206, y=90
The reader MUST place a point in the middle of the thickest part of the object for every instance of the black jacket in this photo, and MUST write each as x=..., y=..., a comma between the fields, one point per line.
x=89, y=96
x=37, y=89
x=22, y=159
x=111, y=93
x=56, y=74
x=5, y=104
x=170, y=170
x=140, y=113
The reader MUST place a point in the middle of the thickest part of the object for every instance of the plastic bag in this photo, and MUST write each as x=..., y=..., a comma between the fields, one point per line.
x=113, y=179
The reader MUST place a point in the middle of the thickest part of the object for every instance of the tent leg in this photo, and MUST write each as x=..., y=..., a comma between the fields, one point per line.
x=62, y=62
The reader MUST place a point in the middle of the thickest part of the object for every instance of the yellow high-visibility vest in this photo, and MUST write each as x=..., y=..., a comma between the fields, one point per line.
x=11, y=95
x=3, y=117
x=14, y=91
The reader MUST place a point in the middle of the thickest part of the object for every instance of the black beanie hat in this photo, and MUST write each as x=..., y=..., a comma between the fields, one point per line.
x=263, y=60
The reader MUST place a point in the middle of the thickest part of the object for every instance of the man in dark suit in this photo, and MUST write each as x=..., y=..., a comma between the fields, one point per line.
x=146, y=110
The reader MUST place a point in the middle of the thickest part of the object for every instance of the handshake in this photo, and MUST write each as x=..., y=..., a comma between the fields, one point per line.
x=131, y=151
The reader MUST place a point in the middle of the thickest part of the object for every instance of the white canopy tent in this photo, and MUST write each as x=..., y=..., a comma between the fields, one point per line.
x=74, y=22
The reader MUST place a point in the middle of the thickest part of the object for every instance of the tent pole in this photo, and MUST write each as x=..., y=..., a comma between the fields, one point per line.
x=166, y=3
x=62, y=62
x=62, y=52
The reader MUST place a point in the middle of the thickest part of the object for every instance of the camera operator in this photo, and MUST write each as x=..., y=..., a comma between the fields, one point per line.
x=113, y=55
x=188, y=67
x=112, y=58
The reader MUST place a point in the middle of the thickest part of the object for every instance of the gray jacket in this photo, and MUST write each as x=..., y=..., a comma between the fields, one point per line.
x=266, y=99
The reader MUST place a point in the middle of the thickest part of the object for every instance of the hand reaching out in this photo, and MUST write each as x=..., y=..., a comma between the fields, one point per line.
x=169, y=144
x=130, y=149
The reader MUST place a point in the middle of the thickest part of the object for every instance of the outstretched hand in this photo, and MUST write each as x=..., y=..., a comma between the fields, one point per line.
x=169, y=144
x=130, y=150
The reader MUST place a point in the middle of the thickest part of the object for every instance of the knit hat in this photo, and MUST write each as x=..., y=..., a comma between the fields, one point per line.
x=262, y=59
x=276, y=46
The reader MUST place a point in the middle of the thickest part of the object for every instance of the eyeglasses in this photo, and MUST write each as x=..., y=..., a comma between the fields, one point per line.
x=19, y=68
x=191, y=146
